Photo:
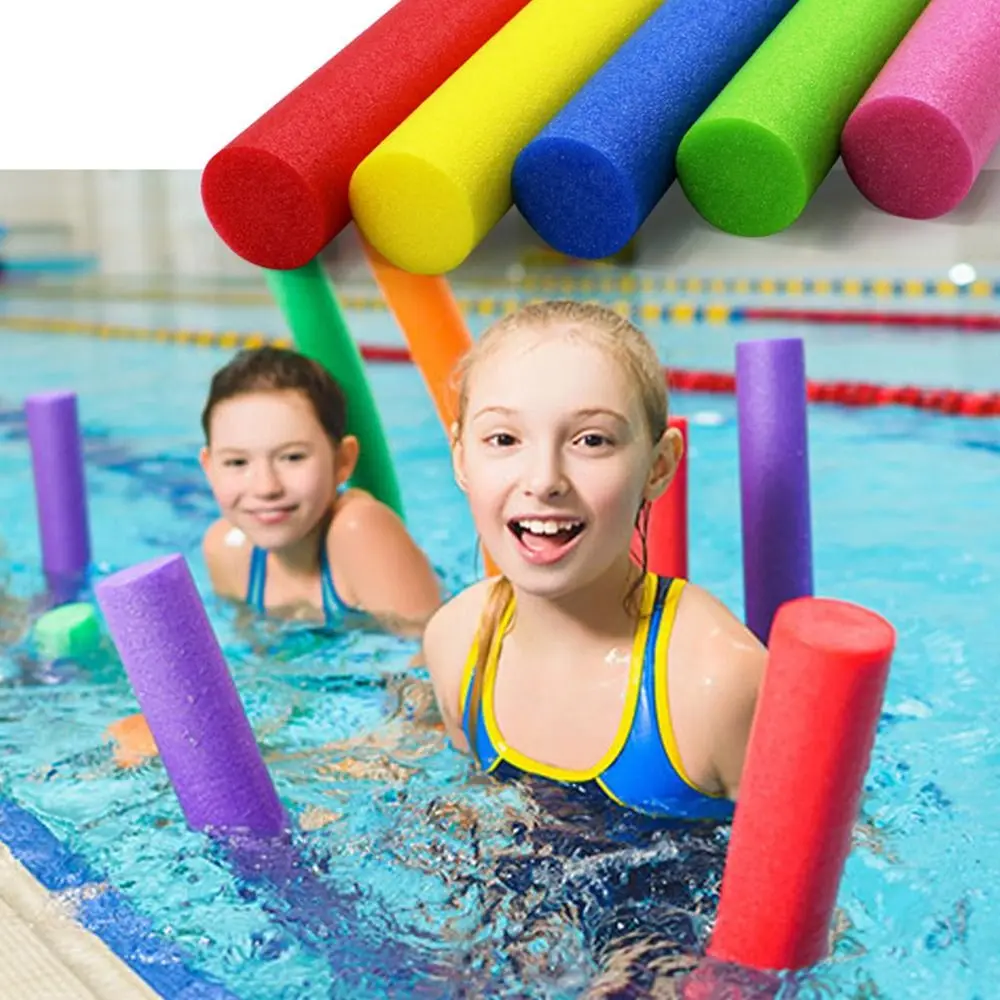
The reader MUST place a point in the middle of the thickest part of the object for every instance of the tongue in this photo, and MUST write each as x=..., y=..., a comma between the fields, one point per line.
x=544, y=543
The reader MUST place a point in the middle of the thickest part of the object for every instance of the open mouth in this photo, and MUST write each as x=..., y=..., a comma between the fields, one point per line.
x=546, y=540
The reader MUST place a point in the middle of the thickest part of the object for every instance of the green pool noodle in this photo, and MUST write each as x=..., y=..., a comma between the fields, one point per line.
x=308, y=302
x=69, y=630
x=750, y=164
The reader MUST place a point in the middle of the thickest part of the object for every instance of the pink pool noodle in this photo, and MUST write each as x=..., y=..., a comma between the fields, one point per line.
x=182, y=683
x=60, y=487
x=927, y=125
x=809, y=751
x=667, y=532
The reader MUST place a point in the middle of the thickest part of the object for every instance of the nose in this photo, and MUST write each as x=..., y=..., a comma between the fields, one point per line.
x=265, y=482
x=545, y=477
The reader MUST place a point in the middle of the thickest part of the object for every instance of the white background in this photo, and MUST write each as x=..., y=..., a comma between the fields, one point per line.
x=121, y=88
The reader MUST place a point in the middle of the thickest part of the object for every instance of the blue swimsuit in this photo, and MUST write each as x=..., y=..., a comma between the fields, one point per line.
x=642, y=769
x=333, y=604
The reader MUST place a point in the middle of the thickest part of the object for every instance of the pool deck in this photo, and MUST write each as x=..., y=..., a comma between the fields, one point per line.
x=47, y=955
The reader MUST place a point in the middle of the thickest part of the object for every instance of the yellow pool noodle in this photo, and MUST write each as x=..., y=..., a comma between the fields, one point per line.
x=428, y=194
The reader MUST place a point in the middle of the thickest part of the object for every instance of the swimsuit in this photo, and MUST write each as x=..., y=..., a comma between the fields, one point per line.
x=642, y=770
x=333, y=603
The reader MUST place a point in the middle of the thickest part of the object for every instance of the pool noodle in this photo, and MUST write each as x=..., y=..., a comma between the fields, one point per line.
x=60, y=483
x=753, y=160
x=591, y=177
x=308, y=302
x=667, y=530
x=774, y=477
x=277, y=194
x=432, y=325
x=916, y=143
x=188, y=698
x=430, y=192
x=436, y=335
x=799, y=797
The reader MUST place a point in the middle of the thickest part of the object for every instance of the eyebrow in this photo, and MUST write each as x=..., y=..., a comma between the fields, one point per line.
x=282, y=447
x=591, y=411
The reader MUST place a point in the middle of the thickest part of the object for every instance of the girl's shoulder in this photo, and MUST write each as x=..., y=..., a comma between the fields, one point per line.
x=227, y=552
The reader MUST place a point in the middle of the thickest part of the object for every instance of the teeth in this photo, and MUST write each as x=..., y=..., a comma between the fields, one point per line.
x=547, y=527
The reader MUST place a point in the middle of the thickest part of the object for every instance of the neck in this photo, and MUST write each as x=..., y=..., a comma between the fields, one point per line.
x=597, y=610
x=301, y=558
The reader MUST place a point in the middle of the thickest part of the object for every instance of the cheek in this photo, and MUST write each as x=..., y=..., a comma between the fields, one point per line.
x=227, y=489
x=314, y=480
x=616, y=495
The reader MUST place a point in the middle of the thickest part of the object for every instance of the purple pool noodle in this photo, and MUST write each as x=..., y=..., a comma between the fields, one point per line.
x=774, y=477
x=60, y=487
x=183, y=685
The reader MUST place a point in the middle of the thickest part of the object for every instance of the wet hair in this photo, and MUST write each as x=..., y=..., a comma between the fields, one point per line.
x=276, y=369
x=626, y=345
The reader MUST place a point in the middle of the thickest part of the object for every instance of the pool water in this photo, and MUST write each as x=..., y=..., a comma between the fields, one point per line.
x=412, y=876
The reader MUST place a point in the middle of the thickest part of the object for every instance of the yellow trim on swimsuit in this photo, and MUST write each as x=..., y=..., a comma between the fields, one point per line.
x=662, y=683
x=525, y=763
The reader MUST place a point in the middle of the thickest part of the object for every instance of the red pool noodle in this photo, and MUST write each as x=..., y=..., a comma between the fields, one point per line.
x=277, y=194
x=809, y=751
x=667, y=531
x=927, y=125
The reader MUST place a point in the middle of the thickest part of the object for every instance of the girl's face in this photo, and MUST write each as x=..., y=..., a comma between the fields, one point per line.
x=271, y=466
x=556, y=458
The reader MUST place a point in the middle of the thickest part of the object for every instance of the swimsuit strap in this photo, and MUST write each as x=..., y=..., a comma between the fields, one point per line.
x=257, y=579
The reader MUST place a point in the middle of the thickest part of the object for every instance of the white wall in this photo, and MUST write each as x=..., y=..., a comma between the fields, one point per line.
x=151, y=224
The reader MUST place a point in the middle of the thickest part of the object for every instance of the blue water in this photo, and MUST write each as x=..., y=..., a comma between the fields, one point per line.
x=404, y=857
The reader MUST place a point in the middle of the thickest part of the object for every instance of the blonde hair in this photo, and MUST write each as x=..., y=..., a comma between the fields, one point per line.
x=612, y=333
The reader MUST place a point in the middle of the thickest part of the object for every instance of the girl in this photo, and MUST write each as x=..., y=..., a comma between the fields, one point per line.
x=291, y=538
x=576, y=665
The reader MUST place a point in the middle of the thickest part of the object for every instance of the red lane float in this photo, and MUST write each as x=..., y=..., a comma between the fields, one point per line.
x=845, y=317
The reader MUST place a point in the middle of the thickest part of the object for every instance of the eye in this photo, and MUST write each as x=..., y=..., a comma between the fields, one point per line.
x=594, y=440
x=234, y=463
x=295, y=456
x=501, y=440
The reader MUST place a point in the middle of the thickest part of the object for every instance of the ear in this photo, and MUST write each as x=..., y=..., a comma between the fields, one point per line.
x=458, y=458
x=346, y=458
x=666, y=459
x=205, y=459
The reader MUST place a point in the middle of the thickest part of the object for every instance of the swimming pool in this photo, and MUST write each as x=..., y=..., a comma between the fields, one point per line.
x=408, y=859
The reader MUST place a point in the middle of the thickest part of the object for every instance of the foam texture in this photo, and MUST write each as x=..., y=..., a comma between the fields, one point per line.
x=60, y=485
x=800, y=790
x=591, y=177
x=429, y=193
x=751, y=163
x=916, y=143
x=184, y=689
x=69, y=630
x=774, y=477
x=277, y=194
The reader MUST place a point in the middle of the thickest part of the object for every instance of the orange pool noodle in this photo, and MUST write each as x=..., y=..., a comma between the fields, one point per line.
x=436, y=334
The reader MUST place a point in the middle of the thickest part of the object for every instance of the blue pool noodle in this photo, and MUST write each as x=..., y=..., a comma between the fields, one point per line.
x=591, y=177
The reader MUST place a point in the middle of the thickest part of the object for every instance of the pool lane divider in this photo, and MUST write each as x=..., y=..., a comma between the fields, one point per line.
x=568, y=280
x=673, y=312
x=962, y=402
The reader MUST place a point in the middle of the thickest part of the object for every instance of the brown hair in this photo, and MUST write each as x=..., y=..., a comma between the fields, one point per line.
x=273, y=369
x=594, y=324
